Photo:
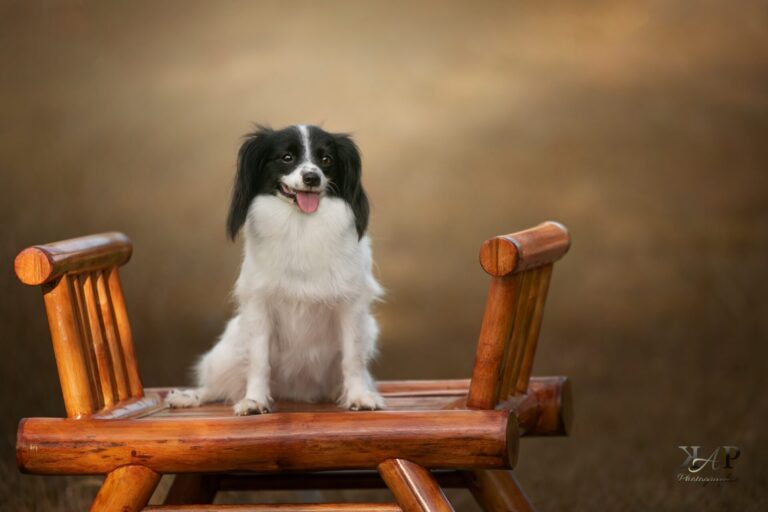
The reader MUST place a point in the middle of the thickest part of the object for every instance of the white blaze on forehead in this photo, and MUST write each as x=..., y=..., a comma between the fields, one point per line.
x=304, y=131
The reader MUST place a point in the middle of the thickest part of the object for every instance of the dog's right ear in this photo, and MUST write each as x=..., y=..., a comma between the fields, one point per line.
x=250, y=159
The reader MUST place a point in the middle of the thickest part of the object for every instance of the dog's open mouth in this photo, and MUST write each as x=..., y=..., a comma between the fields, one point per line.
x=306, y=201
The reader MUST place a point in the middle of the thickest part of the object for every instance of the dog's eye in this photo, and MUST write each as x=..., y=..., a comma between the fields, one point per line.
x=326, y=160
x=287, y=158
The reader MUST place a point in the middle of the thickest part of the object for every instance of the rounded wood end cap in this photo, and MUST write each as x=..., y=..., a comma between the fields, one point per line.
x=499, y=256
x=33, y=266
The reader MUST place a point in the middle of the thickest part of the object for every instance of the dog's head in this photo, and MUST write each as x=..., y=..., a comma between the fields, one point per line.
x=301, y=165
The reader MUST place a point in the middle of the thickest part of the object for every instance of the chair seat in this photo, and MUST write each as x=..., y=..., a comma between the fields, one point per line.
x=401, y=395
x=423, y=422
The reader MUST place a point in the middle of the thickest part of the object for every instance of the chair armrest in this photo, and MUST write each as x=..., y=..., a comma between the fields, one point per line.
x=44, y=263
x=540, y=245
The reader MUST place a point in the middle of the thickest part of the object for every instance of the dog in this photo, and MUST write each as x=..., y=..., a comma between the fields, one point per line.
x=303, y=329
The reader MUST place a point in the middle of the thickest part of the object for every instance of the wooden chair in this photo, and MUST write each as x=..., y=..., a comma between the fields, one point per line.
x=454, y=433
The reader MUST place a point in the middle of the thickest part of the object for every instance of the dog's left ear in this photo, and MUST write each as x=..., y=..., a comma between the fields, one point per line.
x=350, y=184
x=249, y=178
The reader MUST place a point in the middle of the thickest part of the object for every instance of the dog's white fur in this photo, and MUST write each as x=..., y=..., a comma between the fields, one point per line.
x=303, y=329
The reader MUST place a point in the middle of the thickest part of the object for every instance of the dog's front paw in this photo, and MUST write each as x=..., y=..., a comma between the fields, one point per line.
x=180, y=398
x=364, y=400
x=246, y=406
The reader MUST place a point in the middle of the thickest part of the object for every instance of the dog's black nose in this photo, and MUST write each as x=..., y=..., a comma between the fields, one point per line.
x=311, y=179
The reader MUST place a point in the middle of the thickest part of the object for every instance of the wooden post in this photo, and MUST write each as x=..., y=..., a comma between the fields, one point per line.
x=68, y=348
x=126, y=489
x=124, y=331
x=498, y=491
x=494, y=336
x=413, y=486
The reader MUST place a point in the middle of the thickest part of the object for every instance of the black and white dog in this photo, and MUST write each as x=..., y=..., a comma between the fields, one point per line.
x=303, y=329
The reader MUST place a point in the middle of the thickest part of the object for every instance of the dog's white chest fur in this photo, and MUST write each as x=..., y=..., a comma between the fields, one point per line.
x=315, y=258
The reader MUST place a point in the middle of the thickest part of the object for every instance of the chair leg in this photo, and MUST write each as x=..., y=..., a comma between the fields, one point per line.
x=192, y=488
x=497, y=491
x=415, y=489
x=126, y=489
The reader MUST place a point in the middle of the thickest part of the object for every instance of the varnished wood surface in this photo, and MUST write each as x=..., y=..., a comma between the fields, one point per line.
x=68, y=348
x=271, y=442
x=142, y=406
x=547, y=413
x=124, y=333
x=126, y=489
x=504, y=255
x=44, y=263
x=498, y=491
x=494, y=335
x=546, y=409
x=280, y=507
x=413, y=486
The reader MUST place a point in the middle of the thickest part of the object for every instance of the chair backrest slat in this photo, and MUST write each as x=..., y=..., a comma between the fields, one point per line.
x=521, y=266
x=112, y=336
x=87, y=318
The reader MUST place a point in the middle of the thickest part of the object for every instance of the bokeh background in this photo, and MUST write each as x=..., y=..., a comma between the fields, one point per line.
x=641, y=126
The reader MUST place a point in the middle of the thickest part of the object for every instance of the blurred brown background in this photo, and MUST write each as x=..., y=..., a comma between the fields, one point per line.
x=643, y=127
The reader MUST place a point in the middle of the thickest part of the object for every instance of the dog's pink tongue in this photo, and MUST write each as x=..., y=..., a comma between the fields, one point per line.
x=307, y=201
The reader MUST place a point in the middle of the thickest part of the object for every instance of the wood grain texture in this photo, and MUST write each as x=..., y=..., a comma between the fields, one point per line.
x=44, y=263
x=549, y=412
x=531, y=327
x=80, y=308
x=272, y=442
x=124, y=333
x=68, y=348
x=112, y=336
x=126, y=489
x=507, y=254
x=554, y=407
x=513, y=350
x=280, y=507
x=498, y=491
x=70, y=356
x=495, y=330
x=102, y=356
x=414, y=487
x=150, y=403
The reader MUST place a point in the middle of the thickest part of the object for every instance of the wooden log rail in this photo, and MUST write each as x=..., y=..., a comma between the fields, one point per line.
x=273, y=442
x=534, y=247
x=44, y=263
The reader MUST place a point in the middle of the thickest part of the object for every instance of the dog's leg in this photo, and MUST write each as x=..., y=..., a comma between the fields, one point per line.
x=358, y=338
x=256, y=331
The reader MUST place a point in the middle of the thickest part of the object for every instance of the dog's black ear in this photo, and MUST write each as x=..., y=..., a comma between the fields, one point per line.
x=250, y=160
x=350, y=183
